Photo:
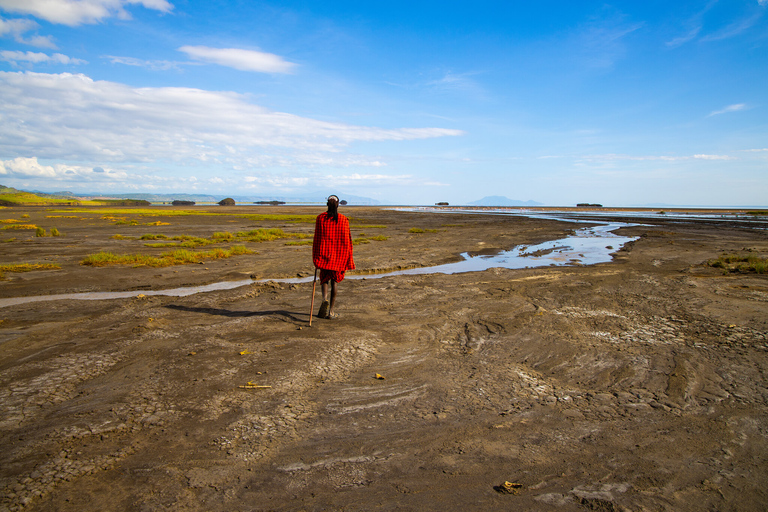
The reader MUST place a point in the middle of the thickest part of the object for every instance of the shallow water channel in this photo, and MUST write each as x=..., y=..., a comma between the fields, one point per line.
x=587, y=246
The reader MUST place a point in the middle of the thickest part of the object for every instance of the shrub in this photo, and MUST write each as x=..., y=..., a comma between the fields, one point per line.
x=40, y=232
x=415, y=230
x=740, y=263
x=55, y=232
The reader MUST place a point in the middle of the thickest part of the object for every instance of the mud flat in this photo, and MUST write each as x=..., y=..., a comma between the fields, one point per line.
x=637, y=384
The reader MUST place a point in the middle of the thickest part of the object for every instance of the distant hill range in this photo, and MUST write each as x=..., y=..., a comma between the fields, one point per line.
x=208, y=198
x=503, y=201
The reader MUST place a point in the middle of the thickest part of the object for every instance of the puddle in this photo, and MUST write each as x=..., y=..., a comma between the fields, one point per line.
x=588, y=246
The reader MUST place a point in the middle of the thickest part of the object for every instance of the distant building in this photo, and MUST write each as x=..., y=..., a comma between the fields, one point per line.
x=589, y=205
x=441, y=204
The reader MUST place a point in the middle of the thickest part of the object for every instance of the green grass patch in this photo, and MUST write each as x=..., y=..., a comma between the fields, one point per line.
x=123, y=237
x=19, y=198
x=151, y=236
x=40, y=232
x=358, y=241
x=379, y=238
x=20, y=226
x=419, y=230
x=740, y=262
x=9, y=221
x=166, y=259
x=303, y=242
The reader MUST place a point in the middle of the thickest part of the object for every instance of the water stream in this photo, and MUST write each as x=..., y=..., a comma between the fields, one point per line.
x=587, y=246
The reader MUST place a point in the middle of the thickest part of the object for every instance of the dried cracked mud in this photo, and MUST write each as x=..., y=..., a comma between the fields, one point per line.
x=635, y=385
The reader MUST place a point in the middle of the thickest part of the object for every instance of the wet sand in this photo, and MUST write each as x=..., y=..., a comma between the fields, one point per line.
x=638, y=384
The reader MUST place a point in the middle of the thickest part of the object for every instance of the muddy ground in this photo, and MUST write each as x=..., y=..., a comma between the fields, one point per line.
x=638, y=384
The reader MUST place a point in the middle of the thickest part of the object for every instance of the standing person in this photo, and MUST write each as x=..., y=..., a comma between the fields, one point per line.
x=331, y=253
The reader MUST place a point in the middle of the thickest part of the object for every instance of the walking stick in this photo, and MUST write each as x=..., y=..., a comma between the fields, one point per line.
x=312, y=302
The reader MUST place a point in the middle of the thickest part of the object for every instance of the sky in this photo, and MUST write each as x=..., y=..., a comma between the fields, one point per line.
x=619, y=103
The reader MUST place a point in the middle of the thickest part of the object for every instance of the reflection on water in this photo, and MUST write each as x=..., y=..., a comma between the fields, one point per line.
x=586, y=246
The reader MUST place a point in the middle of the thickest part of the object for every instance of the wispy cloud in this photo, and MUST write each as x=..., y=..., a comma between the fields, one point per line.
x=730, y=108
x=244, y=60
x=734, y=29
x=17, y=30
x=79, y=12
x=664, y=158
x=690, y=36
x=157, y=65
x=601, y=41
x=37, y=58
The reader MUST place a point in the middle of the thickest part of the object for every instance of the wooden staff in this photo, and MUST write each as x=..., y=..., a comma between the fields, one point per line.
x=312, y=302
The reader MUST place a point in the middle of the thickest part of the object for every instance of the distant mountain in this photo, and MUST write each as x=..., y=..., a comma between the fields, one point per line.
x=502, y=201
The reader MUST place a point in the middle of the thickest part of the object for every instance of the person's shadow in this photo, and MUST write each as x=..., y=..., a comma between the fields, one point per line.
x=234, y=314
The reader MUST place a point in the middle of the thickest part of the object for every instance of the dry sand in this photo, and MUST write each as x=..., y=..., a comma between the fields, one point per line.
x=638, y=384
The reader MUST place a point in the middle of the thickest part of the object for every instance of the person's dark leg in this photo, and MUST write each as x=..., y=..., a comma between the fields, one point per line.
x=324, y=290
x=333, y=297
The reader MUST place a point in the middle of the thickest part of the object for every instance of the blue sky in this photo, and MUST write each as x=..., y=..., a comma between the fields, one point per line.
x=560, y=102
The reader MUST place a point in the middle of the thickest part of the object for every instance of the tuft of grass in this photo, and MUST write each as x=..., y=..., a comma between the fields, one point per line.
x=223, y=236
x=358, y=241
x=166, y=259
x=123, y=237
x=40, y=232
x=158, y=223
x=55, y=232
x=28, y=267
x=303, y=242
x=379, y=238
x=9, y=221
x=415, y=230
x=739, y=262
x=151, y=236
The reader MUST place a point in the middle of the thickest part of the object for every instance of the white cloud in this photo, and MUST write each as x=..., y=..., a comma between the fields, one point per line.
x=729, y=108
x=72, y=117
x=17, y=29
x=244, y=60
x=78, y=12
x=664, y=158
x=36, y=58
x=158, y=65
x=22, y=167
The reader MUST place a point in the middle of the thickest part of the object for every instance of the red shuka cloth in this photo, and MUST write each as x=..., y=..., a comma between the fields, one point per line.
x=332, y=245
